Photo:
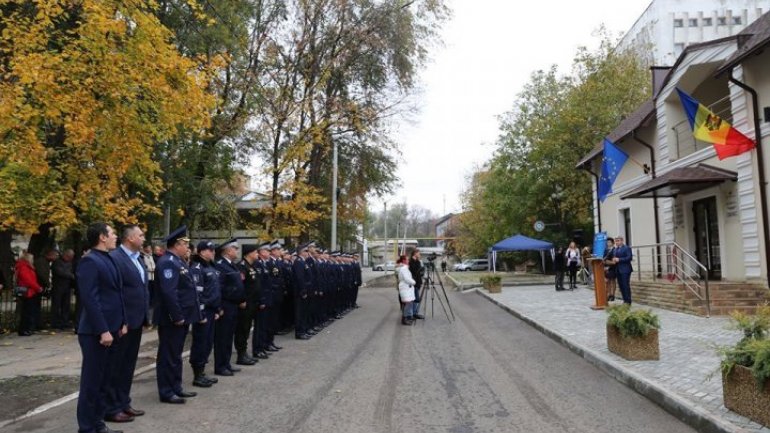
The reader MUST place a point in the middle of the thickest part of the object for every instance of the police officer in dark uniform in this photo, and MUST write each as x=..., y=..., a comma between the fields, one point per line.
x=287, y=314
x=177, y=308
x=206, y=279
x=264, y=314
x=246, y=316
x=233, y=299
x=303, y=285
x=278, y=288
x=357, y=281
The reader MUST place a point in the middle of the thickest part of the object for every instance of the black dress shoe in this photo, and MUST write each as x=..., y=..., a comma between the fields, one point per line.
x=174, y=399
x=185, y=394
x=302, y=337
x=201, y=382
x=276, y=347
x=234, y=369
x=261, y=355
x=133, y=412
x=213, y=380
x=271, y=349
x=106, y=429
x=25, y=333
x=224, y=373
x=245, y=360
x=419, y=316
x=119, y=417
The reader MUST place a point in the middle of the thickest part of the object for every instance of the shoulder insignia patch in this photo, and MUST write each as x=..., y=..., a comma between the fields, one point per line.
x=168, y=273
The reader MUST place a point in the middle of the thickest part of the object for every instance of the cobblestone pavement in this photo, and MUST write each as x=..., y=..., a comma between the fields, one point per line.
x=688, y=357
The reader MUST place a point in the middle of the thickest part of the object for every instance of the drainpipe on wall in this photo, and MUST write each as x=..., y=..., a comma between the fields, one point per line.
x=760, y=167
x=654, y=198
x=598, y=202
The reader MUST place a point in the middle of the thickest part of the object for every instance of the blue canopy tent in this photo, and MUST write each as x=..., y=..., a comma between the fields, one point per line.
x=519, y=243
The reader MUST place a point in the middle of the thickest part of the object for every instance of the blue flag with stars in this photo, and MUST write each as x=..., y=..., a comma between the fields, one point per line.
x=612, y=163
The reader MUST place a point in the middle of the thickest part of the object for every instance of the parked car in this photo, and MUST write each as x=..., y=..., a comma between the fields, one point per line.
x=472, y=265
x=387, y=266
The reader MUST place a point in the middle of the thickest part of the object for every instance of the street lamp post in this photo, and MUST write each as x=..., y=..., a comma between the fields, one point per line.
x=334, y=196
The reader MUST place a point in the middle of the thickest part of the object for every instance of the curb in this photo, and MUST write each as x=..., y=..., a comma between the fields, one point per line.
x=682, y=409
x=68, y=398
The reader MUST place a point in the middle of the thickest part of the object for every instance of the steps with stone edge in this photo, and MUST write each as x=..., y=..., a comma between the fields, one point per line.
x=725, y=296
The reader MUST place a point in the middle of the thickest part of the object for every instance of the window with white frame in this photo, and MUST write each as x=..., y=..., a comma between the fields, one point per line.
x=678, y=22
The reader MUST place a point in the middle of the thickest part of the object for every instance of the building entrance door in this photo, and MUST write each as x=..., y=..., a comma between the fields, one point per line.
x=707, y=236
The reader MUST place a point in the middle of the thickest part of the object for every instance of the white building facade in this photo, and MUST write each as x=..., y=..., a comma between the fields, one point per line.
x=667, y=27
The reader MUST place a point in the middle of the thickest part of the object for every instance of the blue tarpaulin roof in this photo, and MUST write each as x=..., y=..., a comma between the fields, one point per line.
x=521, y=243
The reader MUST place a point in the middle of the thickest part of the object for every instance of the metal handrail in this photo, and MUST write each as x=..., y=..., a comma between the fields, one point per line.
x=683, y=267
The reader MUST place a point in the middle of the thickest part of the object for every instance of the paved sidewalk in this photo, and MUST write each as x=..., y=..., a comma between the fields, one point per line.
x=49, y=353
x=678, y=381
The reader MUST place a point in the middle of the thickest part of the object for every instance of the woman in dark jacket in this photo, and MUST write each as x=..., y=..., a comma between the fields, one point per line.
x=29, y=303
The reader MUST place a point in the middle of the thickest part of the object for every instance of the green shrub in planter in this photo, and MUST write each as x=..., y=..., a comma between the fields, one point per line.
x=747, y=359
x=753, y=351
x=491, y=283
x=632, y=323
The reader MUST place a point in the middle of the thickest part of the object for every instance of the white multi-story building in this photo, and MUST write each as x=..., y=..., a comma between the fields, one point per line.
x=666, y=27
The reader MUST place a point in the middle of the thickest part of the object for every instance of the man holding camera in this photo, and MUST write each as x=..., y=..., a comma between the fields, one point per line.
x=415, y=268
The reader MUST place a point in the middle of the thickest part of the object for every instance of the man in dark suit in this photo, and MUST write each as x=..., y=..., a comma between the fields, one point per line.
x=136, y=298
x=233, y=299
x=102, y=321
x=177, y=309
x=623, y=268
x=262, y=337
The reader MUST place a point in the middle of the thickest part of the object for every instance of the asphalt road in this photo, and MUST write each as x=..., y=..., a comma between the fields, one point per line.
x=487, y=372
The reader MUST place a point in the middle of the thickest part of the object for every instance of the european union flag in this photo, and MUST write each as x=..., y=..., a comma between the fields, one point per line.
x=612, y=163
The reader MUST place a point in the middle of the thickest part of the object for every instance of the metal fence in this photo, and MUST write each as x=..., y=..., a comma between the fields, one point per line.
x=9, y=310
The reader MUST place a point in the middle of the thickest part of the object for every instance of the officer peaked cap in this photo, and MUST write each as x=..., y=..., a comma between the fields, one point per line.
x=180, y=234
x=247, y=249
x=264, y=246
x=275, y=245
x=233, y=242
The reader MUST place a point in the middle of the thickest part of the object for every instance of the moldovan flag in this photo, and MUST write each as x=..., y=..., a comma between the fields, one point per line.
x=707, y=126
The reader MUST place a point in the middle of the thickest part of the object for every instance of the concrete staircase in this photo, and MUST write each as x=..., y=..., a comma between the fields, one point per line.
x=725, y=296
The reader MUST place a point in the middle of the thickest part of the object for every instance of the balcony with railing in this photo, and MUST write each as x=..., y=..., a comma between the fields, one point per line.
x=683, y=141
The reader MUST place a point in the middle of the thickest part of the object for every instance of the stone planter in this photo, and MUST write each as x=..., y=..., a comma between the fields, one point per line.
x=633, y=348
x=493, y=287
x=743, y=396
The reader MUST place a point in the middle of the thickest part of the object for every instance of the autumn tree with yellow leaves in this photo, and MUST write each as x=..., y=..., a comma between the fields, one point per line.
x=87, y=89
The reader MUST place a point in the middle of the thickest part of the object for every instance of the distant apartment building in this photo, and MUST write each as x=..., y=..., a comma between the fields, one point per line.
x=667, y=27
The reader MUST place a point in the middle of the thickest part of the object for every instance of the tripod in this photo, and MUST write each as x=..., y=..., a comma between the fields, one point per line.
x=429, y=285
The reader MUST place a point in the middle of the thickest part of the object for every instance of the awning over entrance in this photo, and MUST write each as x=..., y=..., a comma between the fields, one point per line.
x=682, y=180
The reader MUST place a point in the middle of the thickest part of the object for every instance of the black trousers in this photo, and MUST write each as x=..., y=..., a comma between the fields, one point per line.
x=202, y=340
x=29, y=313
x=126, y=352
x=94, y=378
x=169, y=361
x=245, y=317
x=572, y=274
x=262, y=329
x=224, y=331
x=300, y=315
x=60, y=306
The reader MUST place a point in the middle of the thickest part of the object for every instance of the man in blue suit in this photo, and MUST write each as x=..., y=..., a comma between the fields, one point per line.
x=102, y=322
x=623, y=268
x=136, y=297
x=177, y=308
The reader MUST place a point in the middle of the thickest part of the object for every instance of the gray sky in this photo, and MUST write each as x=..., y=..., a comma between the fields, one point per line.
x=490, y=49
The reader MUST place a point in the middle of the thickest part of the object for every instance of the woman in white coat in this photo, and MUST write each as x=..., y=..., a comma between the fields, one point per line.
x=405, y=289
